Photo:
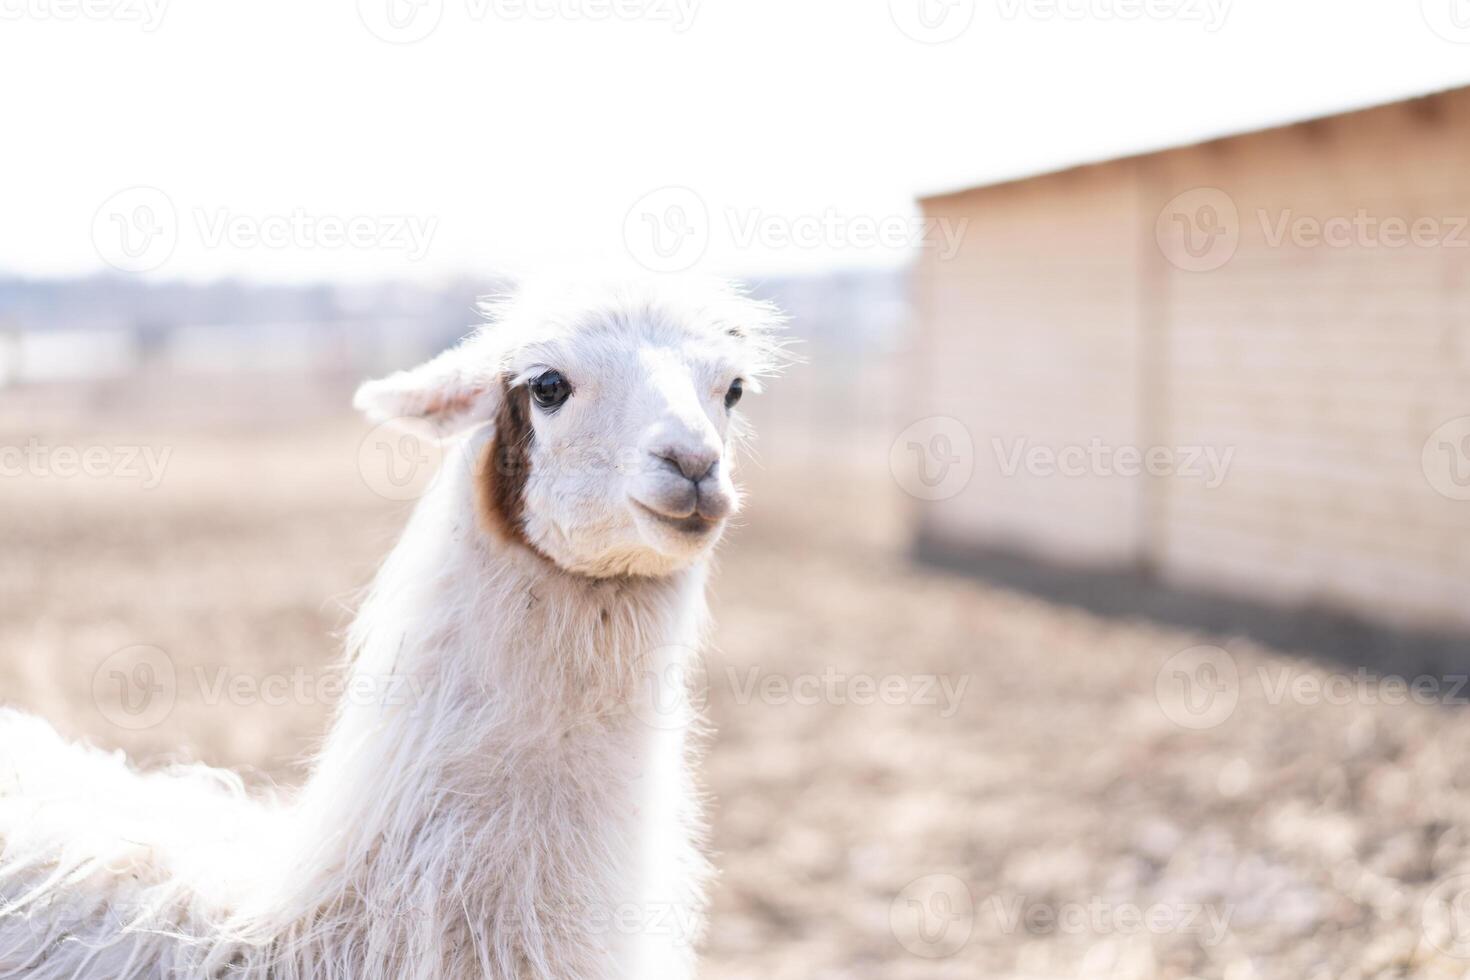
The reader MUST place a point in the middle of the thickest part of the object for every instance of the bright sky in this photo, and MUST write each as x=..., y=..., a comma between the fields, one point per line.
x=288, y=140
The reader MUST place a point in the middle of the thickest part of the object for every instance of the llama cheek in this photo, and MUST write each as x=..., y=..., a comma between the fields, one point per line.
x=505, y=468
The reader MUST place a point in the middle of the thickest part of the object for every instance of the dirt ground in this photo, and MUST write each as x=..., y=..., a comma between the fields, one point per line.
x=914, y=775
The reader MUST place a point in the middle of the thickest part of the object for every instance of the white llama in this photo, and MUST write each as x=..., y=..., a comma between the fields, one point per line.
x=529, y=811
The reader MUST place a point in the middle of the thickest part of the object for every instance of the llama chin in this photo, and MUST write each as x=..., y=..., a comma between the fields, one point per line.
x=530, y=812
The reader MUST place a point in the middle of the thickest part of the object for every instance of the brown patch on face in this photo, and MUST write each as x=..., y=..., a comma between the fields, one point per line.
x=506, y=466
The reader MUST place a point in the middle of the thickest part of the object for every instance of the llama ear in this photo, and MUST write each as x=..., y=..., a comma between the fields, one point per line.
x=757, y=326
x=451, y=391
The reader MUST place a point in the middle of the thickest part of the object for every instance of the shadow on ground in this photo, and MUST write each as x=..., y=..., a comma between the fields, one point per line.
x=1326, y=635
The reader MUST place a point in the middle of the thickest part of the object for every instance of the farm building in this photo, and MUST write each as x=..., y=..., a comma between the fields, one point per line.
x=1240, y=367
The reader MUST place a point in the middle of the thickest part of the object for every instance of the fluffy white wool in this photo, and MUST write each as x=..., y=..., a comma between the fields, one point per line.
x=531, y=812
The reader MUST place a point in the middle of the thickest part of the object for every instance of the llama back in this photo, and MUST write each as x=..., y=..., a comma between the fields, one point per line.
x=108, y=872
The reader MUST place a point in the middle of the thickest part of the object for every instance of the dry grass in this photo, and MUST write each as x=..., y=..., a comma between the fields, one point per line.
x=1057, y=782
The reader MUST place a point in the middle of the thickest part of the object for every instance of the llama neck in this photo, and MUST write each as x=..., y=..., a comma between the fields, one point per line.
x=505, y=755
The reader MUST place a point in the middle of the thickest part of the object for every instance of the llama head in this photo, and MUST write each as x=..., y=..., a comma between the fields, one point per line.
x=603, y=419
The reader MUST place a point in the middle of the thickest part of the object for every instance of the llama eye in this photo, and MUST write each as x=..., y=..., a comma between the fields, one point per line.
x=550, y=390
x=737, y=388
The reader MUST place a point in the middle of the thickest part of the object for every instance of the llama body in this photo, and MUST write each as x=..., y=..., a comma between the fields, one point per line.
x=517, y=804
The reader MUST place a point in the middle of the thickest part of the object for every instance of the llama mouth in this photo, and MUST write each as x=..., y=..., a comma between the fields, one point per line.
x=692, y=524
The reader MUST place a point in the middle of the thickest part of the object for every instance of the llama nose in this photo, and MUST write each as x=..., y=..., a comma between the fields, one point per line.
x=694, y=464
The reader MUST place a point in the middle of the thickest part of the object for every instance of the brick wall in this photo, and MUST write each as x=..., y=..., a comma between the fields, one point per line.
x=1072, y=316
x=1031, y=332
